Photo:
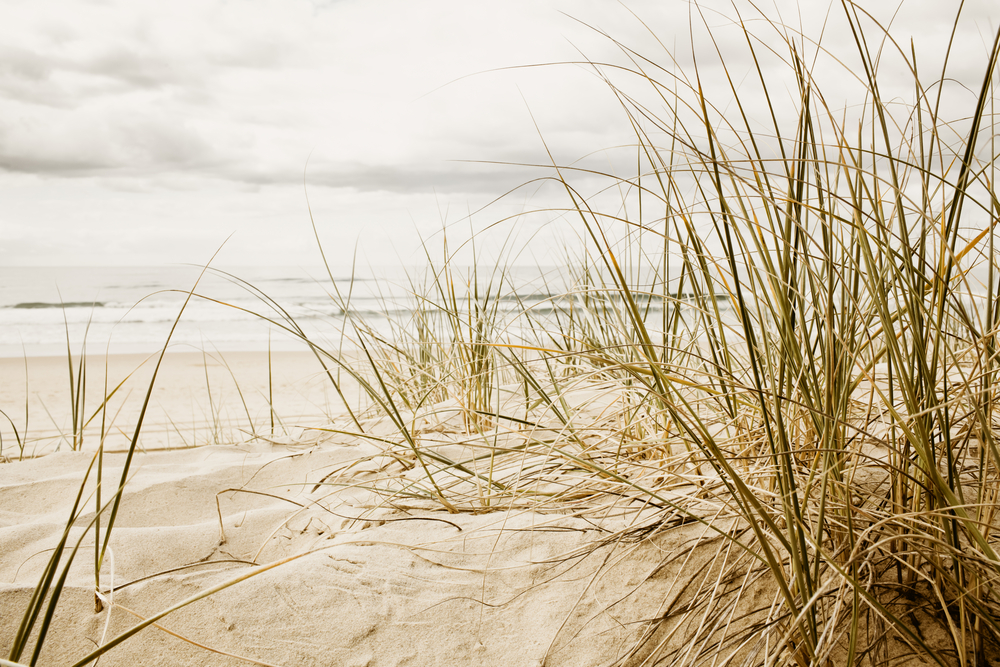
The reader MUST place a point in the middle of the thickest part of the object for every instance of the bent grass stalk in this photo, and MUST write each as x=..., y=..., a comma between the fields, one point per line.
x=51, y=588
x=20, y=437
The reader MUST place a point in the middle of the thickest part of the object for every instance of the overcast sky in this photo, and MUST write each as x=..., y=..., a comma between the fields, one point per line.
x=135, y=132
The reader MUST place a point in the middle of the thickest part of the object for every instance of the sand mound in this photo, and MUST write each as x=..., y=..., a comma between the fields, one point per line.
x=364, y=583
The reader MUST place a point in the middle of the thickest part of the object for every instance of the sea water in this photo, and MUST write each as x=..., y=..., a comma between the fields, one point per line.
x=46, y=310
x=132, y=309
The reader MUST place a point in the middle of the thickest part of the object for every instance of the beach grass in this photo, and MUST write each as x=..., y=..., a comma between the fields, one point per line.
x=793, y=344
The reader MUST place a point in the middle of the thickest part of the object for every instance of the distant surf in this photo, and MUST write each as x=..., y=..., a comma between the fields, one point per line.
x=68, y=304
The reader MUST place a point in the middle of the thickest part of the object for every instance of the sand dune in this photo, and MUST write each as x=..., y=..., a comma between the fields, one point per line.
x=365, y=584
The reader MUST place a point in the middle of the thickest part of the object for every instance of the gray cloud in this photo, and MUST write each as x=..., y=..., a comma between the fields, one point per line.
x=92, y=144
x=202, y=96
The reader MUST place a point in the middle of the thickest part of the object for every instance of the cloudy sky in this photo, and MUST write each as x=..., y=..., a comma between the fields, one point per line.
x=136, y=132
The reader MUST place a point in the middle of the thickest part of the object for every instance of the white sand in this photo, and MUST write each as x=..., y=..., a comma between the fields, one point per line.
x=375, y=586
x=368, y=584
x=197, y=399
x=340, y=566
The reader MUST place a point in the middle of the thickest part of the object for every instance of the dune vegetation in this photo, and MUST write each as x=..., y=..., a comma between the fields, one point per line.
x=783, y=330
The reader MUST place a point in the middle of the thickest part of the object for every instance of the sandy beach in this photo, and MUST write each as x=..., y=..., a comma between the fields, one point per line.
x=547, y=531
x=197, y=399
x=361, y=585
x=345, y=566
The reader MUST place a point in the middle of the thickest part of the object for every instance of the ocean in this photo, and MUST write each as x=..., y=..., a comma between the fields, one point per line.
x=131, y=309
x=126, y=310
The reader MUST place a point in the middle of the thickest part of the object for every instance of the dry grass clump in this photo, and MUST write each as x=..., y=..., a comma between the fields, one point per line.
x=810, y=352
